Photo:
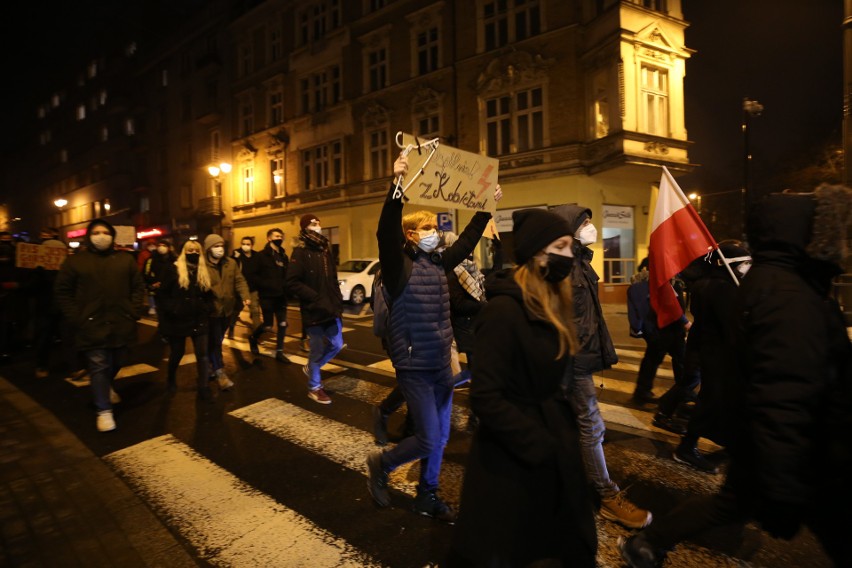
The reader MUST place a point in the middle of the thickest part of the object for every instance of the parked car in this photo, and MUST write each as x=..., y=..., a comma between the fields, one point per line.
x=356, y=279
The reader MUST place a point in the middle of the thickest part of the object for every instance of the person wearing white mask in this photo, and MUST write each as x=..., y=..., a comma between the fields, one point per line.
x=419, y=338
x=247, y=258
x=594, y=354
x=270, y=277
x=228, y=285
x=312, y=277
x=101, y=293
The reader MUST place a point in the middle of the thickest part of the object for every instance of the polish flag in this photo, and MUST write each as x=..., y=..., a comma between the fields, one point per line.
x=678, y=236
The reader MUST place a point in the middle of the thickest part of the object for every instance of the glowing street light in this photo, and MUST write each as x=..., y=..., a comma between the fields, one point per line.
x=60, y=202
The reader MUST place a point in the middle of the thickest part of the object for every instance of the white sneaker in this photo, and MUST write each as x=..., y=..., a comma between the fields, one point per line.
x=105, y=421
x=113, y=397
x=224, y=382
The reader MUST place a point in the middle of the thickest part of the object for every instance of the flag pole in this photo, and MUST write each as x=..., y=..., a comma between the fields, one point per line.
x=728, y=266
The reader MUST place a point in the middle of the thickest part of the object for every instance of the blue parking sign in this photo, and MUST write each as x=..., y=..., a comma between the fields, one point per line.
x=445, y=222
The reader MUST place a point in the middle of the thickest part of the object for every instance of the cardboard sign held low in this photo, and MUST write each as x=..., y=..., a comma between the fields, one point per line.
x=451, y=179
x=32, y=256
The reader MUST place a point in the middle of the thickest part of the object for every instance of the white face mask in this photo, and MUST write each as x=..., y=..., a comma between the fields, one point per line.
x=428, y=240
x=101, y=242
x=246, y=248
x=162, y=250
x=217, y=252
x=587, y=235
x=316, y=229
x=743, y=267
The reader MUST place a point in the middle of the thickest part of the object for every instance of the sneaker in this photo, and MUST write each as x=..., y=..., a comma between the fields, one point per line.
x=617, y=508
x=428, y=503
x=693, y=458
x=152, y=311
x=41, y=373
x=378, y=479
x=222, y=378
x=281, y=358
x=669, y=423
x=318, y=395
x=113, y=396
x=105, y=421
x=637, y=552
x=253, y=345
x=380, y=426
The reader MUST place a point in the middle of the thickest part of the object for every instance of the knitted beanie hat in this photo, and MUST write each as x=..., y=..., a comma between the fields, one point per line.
x=307, y=220
x=534, y=229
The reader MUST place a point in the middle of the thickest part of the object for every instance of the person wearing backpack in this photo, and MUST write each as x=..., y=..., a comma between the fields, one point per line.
x=418, y=340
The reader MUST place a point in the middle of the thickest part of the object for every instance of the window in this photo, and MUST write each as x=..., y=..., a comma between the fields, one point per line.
x=215, y=139
x=655, y=100
x=427, y=50
x=276, y=108
x=275, y=44
x=379, y=152
x=81, y=112
x=317, y=20
x=618, y=243
x=428, y=127
x=276, y=166
x=377, y=4
x=129, y=127
x=245, y=59
x=321, y=89
x=104, y=133
x=322, y=166
x=507, y=21
x=377, y=69
x=247, y=183
x=658, y=5
x=164, y=78
x=515, y=122
x=246, y=118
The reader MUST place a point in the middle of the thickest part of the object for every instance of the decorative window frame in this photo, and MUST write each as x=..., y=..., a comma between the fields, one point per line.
x=421, y=21
x=374, y=42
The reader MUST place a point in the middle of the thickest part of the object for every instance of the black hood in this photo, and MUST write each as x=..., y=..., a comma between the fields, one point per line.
x=502, y=283
x=574, y=214
x=94, y=224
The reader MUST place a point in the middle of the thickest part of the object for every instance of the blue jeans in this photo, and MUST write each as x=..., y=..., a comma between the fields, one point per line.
x=326, y=341
x=429, y=397
x=584, y=402
x=104, y=365
x=215, y=336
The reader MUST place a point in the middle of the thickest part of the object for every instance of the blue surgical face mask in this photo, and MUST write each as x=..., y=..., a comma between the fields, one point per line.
x=428, y=240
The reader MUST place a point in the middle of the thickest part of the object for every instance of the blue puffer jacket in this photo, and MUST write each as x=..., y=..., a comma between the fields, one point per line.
x=420, y=329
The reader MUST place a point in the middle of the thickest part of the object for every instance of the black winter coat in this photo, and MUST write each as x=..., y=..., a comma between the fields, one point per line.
x=183, y=312
x=271, y=272
x=525, y=494
x=596, y=351
x=312, y=277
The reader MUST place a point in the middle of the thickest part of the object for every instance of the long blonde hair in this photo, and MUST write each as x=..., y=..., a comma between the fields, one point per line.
x=183, y=271
x=552, y=302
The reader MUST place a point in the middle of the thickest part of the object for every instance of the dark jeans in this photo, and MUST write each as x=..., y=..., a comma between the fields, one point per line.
x=671, y=340
x=273, y=308
x=104, y=365
x=215, y=336
x=47, y=328
x=177, y=347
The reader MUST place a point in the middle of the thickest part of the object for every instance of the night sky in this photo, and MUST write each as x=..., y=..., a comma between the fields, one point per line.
x=787, y=54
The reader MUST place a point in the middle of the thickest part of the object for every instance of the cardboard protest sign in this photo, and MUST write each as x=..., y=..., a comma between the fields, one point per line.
x=32, y=256
x=125, y=234
x=451, y=179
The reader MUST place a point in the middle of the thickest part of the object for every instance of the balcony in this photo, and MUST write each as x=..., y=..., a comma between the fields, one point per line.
x=210, y=207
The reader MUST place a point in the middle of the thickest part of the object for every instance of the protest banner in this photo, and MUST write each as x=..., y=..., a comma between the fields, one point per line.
x=451, y=178
x=32, y=256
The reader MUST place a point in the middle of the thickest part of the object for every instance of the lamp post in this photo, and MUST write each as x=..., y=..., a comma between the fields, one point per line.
x=750, y=108
x=216, y=173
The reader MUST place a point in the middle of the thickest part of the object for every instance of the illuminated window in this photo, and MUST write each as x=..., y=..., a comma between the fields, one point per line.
x=247, y=183
x=276, y=166
x=655, y=99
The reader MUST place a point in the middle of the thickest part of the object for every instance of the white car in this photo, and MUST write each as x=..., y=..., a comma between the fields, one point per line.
x=356, y=279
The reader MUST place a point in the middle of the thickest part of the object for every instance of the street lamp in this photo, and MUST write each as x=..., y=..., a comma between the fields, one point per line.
x=60, y=202
x=215, y=171
x=750, y=108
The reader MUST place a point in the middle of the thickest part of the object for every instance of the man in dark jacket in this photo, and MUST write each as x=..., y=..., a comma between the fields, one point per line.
x=247, y=259
x=419, y=339
x=270, y=277
x=100, y=291
x=312, y=277
x=595, y=354
x=792, y=453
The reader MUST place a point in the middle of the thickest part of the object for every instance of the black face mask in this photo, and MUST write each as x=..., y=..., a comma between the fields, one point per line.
x=277, y=242
x=558, y=267
x=192, y=257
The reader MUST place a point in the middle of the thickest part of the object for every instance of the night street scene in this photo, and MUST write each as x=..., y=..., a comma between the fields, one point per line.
x=385, y=283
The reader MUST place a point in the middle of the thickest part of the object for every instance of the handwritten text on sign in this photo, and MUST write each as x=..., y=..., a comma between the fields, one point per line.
x=32, y=256
x=453, y=178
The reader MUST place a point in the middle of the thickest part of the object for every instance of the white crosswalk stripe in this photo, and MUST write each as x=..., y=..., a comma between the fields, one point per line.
x=227, y=521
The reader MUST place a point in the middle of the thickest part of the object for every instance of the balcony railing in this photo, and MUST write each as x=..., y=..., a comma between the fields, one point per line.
x=210, y=207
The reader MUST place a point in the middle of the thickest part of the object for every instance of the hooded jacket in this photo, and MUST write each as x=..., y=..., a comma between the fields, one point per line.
x=226, y=281
x=312, y=277
x=794, y=449
x=596, y=350
x=526, y=448
x=101, y=293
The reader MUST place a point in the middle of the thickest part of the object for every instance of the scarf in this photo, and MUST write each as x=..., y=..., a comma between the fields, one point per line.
x=317, y=241
x=471, y=279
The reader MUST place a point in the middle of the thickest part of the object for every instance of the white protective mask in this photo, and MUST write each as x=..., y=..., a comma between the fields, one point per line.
x=101, y=242
x=428, y=240
x=217, y=252
x=743, y=267
x=246, y=248
x=162, y=250
x=316, y=229
x=587, y=235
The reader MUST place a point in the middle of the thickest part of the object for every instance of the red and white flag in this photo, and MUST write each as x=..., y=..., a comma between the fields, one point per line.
x=678, y=236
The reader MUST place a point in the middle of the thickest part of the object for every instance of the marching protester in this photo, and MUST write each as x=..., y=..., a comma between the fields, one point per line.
x=228, y=286
x=312, y=277
x=270, y=276
x=155, y=267
x=185, y=300
x=419, y=339
x=525, y=499
x=47, y=318
x=101, y=293
x=247, y=258
x=595, y=353
x=792, y=453
x=11, y=280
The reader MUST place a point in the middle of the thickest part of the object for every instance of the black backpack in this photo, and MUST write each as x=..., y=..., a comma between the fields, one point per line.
x=381, y=307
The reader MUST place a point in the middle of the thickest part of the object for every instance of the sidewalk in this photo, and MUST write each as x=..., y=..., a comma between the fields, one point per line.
x=60, y=505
